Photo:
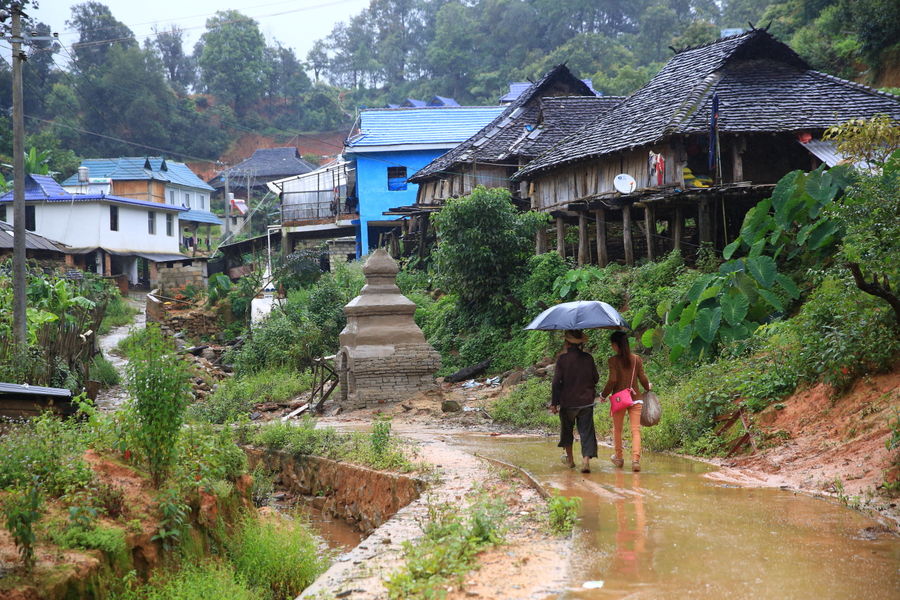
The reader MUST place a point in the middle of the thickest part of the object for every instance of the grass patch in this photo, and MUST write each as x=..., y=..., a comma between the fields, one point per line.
x=526, y=406
x=279, y=557
x=378, y=450
x=206, y=581
x=135, y=340
x=235, y=397
x=562, y=514
x=103, y=371
x=447, y=551
x=118, y=313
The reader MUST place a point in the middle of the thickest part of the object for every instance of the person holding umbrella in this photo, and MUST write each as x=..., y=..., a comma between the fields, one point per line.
x=574, y=387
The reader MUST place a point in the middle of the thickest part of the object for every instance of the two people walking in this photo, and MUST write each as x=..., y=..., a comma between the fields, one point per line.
x=574, y=387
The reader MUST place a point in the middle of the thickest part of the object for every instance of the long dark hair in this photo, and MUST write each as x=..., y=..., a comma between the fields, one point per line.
x=620, y=339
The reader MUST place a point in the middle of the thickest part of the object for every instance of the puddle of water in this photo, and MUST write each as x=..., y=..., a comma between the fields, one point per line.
x=337, y=534
x=668, y=532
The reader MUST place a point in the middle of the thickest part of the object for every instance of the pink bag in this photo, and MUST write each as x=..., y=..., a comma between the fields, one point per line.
x=623, y=398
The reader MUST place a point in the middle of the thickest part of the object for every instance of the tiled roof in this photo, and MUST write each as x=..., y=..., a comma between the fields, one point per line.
x=763, y=86
x=129, y=168
x=200, y=216
x=267, y=163
x=433, y=125
x=517, y=88
x=537, y=119
x=33, y=241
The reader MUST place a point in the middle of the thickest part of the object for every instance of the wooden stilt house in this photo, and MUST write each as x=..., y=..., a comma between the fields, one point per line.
x=548, y=110
x=703, y=141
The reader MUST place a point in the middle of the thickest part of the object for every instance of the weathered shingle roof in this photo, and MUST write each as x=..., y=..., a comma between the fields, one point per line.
x=33, y=241
x=517, y=88
x=433, y=125
x=267, y=163
x=762, y=85
x=135, y=168
x=529, y=125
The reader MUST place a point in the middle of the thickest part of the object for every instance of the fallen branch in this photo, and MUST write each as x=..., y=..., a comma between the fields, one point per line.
x=468, y=372
x=881, y=290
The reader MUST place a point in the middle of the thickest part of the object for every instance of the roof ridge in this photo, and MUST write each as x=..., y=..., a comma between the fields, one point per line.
x=720, y=40
x=853, y=84
x=692, y=101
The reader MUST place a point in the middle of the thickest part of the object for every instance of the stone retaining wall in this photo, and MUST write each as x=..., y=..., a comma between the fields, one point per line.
x=174, y=276
x=362, y=497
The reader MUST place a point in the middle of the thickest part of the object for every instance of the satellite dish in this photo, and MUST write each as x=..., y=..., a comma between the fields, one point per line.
x=624, y=183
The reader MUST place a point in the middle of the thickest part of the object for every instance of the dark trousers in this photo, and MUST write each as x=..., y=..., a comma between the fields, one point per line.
x=583, y=418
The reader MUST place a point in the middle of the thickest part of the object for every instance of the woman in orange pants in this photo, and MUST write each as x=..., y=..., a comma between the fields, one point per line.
x=625, y=370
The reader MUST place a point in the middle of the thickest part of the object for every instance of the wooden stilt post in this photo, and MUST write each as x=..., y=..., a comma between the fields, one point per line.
x=704, y=222
x=583, y=250
x=650, y=230
x=561, y=236
x=540, y=241
x=626, y=235
x=602, y=255
x=423, y=235
x=678, y=229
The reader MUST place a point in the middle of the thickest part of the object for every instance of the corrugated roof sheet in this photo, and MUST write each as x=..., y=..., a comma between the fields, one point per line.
x=200, y=216
x=528, y=126
x=129, y=168
x=436, y=125
x=33, y=390
x=33, y=241
x=763, y=86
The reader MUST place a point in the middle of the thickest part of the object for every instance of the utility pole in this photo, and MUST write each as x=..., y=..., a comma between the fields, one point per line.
x=227, y=210
x=19, y=316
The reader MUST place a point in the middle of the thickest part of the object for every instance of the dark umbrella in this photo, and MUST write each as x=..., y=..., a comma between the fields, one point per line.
x=590, y=314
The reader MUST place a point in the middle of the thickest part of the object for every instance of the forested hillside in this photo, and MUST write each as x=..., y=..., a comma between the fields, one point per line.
x=109, y=94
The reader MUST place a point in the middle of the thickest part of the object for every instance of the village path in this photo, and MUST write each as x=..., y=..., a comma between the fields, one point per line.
x=111, y=399
x=669, y=531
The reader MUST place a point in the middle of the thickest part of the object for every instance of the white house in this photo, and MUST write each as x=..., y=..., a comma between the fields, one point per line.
x=107, y=234
x=153, y=179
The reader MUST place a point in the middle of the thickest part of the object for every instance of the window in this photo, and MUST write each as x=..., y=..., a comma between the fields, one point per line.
x=30, y=224
x=151, y=222
x=172, y=197
x=187, y=200
x=2, y=213
x=396, y=179
x=113, y=218
x=202, y=201
x=170, y=225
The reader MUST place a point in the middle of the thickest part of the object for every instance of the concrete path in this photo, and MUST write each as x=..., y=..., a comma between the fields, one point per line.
x=112, y=398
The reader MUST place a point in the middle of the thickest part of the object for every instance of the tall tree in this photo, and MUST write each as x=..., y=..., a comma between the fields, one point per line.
x=180, y=68
x=231, y=58
x=99, y=31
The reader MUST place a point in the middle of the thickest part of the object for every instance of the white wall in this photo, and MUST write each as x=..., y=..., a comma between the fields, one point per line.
x=199, y=199
x=86, y=225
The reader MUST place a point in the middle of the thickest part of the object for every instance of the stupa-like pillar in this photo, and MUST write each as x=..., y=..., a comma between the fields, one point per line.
x=384, y=356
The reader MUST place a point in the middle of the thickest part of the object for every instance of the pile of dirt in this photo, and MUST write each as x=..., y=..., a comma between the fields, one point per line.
x=819, y=441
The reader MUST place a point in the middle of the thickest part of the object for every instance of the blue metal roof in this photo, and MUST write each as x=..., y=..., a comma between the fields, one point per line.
x=200, y=216
x=413, y=103
x=130, y=168
x=433, y=125
x=64, y=196
x=442, y=101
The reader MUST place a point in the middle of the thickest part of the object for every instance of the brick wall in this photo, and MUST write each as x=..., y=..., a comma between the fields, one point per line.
x=176, y=275
x=389, y=378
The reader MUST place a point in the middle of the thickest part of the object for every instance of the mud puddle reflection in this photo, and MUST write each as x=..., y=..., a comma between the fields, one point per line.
x=667, y=532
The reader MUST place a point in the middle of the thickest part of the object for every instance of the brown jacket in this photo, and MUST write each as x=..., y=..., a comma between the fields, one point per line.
x=619, y=373
x=575, y=379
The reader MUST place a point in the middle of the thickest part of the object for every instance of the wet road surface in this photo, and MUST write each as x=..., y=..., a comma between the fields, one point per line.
x=668, y=532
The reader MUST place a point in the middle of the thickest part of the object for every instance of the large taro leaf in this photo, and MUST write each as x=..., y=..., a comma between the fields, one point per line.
x=788, y=285
x=707, y=323
x=771, y=299
x=763, y=269
x=735, y=307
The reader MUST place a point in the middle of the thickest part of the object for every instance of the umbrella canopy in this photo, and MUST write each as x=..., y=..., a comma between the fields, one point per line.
x=590, y=314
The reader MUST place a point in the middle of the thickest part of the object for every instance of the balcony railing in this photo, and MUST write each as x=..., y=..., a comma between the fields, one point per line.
x=312, y=210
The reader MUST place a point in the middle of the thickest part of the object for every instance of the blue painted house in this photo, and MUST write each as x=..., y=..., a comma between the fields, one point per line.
x=393, y=143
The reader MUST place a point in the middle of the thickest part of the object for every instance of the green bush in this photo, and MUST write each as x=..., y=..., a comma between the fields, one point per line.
x=21, y=510
x=118, y=313
x=46, y=448
x=158, y=382
x=103, y=371
x=109, y=540
x=447, y=550
x=280, y=558
x=207, y=454
x=379, y=450
x=526, y=406
x=562, y=514
x=206, y=581
x=235, y=397
x=135, y=339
